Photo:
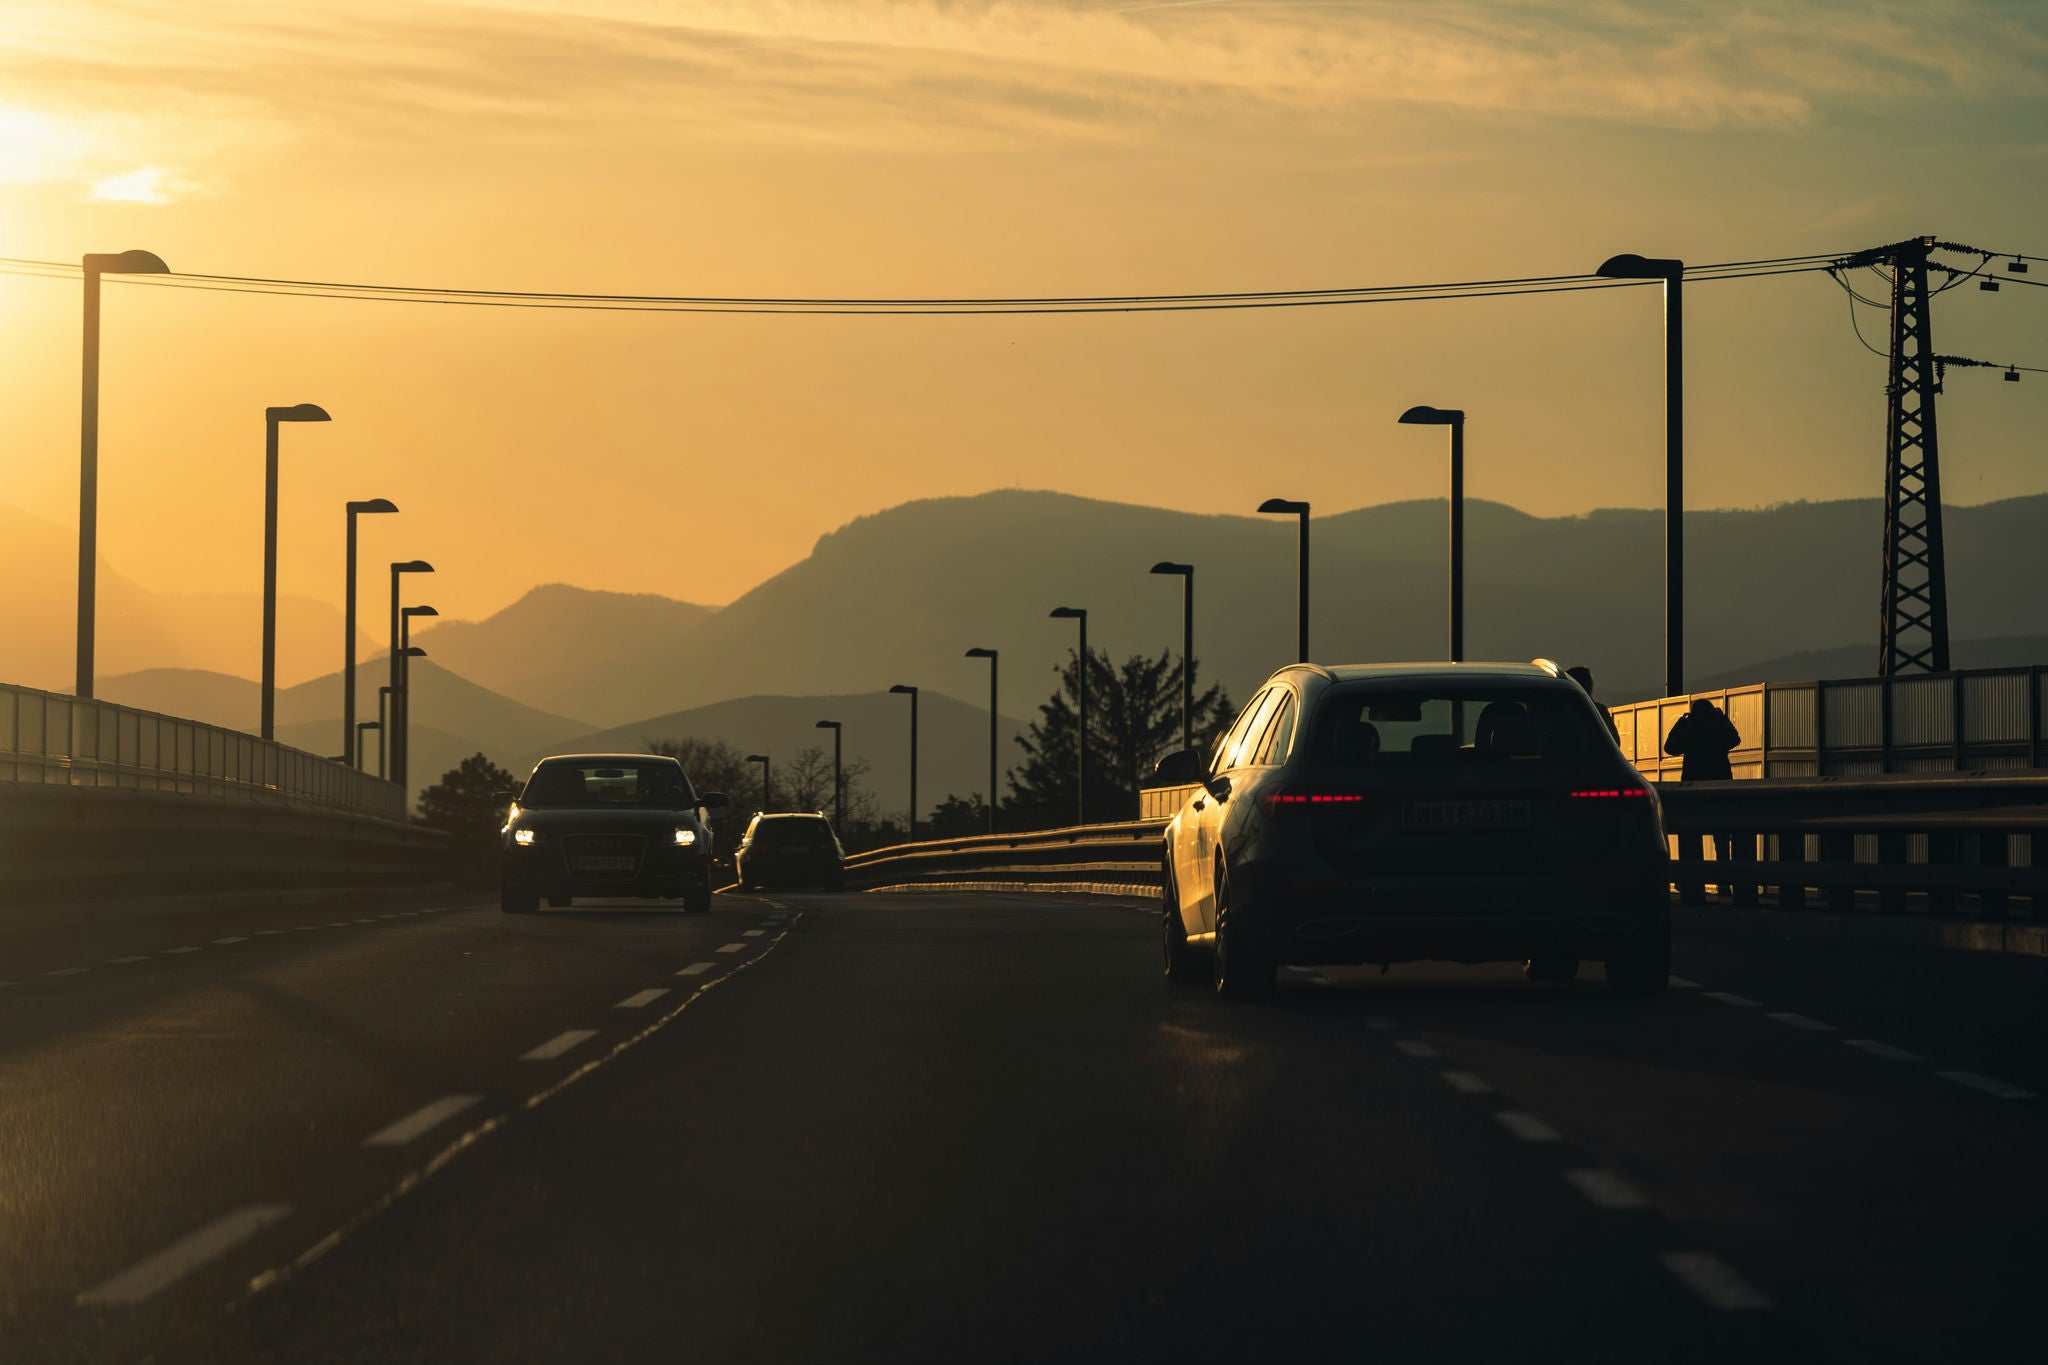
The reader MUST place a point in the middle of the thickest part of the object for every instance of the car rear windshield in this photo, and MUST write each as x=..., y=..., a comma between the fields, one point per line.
x=655, y=786
x=1440, y=726
x=793, y=833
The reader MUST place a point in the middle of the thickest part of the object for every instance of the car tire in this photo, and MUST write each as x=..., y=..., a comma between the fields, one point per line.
x=1641, y=968
x=560, y=902
x=1183, y=967
x=516, y=902
x=1551, y=967
x=1244, y=970
x=697, y=898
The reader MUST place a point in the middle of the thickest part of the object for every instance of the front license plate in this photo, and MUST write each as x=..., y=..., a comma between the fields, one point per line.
x=1457, y=815
x=604, y=864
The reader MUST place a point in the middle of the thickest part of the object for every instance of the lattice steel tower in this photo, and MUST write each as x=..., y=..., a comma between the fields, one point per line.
x=1914, y=632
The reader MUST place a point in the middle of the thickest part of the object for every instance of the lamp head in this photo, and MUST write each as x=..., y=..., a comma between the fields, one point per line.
x=298, y=412
x=757, y=758
x=373, y=505
x=1068, y=614
x=1167, y=566
x=411, y=566
x=979, y=653
x=1423, y=415
x=1283, y=505
x=412, y=652
x=127, y=263
x=369, y=725
x=905, y=689
x=828, y=725
x=1629, y=266
x=418, y=611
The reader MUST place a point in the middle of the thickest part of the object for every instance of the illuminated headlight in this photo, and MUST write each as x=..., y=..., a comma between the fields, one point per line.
x=524, y=837
x=685, y=837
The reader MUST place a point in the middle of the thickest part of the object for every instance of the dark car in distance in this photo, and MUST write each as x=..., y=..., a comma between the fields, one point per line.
x=790, y=850
x=607, y=826
x=1400, y=812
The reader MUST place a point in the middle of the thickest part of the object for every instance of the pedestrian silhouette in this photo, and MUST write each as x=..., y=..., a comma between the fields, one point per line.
x=1583, y=676
x=1701, y=739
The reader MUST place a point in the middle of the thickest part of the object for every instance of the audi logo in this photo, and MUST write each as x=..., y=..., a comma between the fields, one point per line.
x=606, y=845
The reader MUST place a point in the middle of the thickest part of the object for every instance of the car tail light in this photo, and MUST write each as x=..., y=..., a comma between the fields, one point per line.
x=1284, y=800
x=1610, y=793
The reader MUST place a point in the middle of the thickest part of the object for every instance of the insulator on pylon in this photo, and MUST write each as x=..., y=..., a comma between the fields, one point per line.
x=2016, y=266
x=1988, y=286
x=2012, y=376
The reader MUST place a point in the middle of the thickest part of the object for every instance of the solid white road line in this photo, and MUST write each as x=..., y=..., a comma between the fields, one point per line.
x=733, y=948
x=183, y=1256
x=641, y=999
x=1730, y=998
x=1987, y=1084
x=188, y=948
x=1884, y=1050
x=124, y=961
x=752, y=933
x=1415, y=1047
x=697, y=969
x=1606, y=1190
x=559, y=1044
x=69, y=971
x=1679, y=983
x=233, y=939
x=1801, y=1021
x=1527, y=1127
x=420, y=1120
x=1467, y=1083
x=1714, y=1280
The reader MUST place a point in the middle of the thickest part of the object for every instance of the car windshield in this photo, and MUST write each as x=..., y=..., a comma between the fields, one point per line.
x=1433, y=726
x=655, y=786
x=793, y=833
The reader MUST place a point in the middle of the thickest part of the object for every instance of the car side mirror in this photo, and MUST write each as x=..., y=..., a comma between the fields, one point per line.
x=1181, y=768
x=504, y=801
x=711, y=800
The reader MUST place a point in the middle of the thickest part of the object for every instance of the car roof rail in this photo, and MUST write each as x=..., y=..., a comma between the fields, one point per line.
x=1548, y=667
x=1316, y=669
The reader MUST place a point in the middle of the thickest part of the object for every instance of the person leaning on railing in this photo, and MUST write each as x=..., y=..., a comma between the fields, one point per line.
x=1702, y=739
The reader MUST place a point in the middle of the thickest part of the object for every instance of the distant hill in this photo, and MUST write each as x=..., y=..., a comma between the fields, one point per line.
x=1860, y=661
x=557, y=647
x=952, y=738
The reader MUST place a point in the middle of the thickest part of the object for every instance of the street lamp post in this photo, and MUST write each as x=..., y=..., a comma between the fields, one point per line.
x=1672, y=274
x=401, y=714
x=297, y=412
x=1300, y=509
x=1079, y=614
x=96, y=264
x=767, y=792
x=348, y=625
x=994, y=763
x=390, y=742
x=838, y=784
x=1186, y=574
x=361, y=726
x=1454, y=418
x=903, y=689
x=383, y=724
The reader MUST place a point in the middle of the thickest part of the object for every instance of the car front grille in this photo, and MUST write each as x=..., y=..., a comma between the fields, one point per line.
x=604, y=855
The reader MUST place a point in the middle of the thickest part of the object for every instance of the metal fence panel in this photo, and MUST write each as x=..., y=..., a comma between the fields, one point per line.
x=1995, y=706
x=1923, y=710
x=1854, y=715
x=1791, y=716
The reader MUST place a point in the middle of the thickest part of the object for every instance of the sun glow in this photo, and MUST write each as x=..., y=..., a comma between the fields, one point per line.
x=38, y=146
x=144, y=185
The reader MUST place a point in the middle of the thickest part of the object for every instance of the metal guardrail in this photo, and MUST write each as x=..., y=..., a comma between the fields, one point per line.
x=1974, y=720
x=55, y=739
x=1947, y=845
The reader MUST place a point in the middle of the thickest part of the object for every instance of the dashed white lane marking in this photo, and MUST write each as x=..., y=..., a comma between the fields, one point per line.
x=1606, y=1190
x=124, y=961
x=337, y=924
x=1730, y=998
x=1801, y=1021
x=69, y=971
x=1714, y=1280
x=1415, y=1047
x=420, y=1120
x=1989, y=1085
x=1378, y=1021
x=301, y=928
x=697, y=969
x=733, y=948
x=559, y=1044
x=1467, y=1083
x=188, y=948
x=232, y=938
x=752, y=933
x=183, y=1256
x=1884, y=1050
x=366, y=921
x=641, y=999
x=5, y=984
x=1526, y=1126
x=270, y=931
x=1679, y=983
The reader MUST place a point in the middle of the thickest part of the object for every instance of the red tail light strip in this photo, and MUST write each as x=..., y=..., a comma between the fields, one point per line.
x=1609, y=793
x=1315, y=799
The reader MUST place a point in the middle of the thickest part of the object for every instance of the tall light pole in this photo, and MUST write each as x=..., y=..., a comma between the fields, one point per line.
x=297, y=412
x=767, y=792
x=1186, y=574
x=389, y=741
x=1454, y=418
x=348, y=625
x=1300, y=509
x=361, y=726
x=838, y=784
x=903, y=689
x=384, y=704
x=1672, y=273
x=96, y=264
x=1081, y=698
x=994, y=763
x=401, y=714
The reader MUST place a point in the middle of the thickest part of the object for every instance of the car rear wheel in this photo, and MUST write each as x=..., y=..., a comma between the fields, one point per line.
x=1641, y=968
x=1182, y=966
x=516, y=902
x=1244, y=971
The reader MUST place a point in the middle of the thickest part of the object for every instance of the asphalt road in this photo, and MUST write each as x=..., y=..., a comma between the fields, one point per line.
x=949, y=1127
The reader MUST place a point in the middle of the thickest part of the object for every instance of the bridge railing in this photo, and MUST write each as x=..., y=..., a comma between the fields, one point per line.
x=52, y=738
x=1973, y=720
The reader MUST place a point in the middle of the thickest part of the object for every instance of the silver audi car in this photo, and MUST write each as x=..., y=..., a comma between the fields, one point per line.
x=607, y=826
x=1396, y=812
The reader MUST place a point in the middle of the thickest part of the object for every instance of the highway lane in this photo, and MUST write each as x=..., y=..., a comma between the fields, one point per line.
x=935, y=1126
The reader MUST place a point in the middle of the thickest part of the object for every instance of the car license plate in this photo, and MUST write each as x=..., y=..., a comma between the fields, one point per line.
x=597, y=864
x=1458, y=815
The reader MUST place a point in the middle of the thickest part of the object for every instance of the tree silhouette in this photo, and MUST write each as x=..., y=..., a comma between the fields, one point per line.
x=464, y=805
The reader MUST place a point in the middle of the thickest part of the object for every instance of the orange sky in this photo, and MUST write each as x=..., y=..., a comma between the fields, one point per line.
x=873, y=147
